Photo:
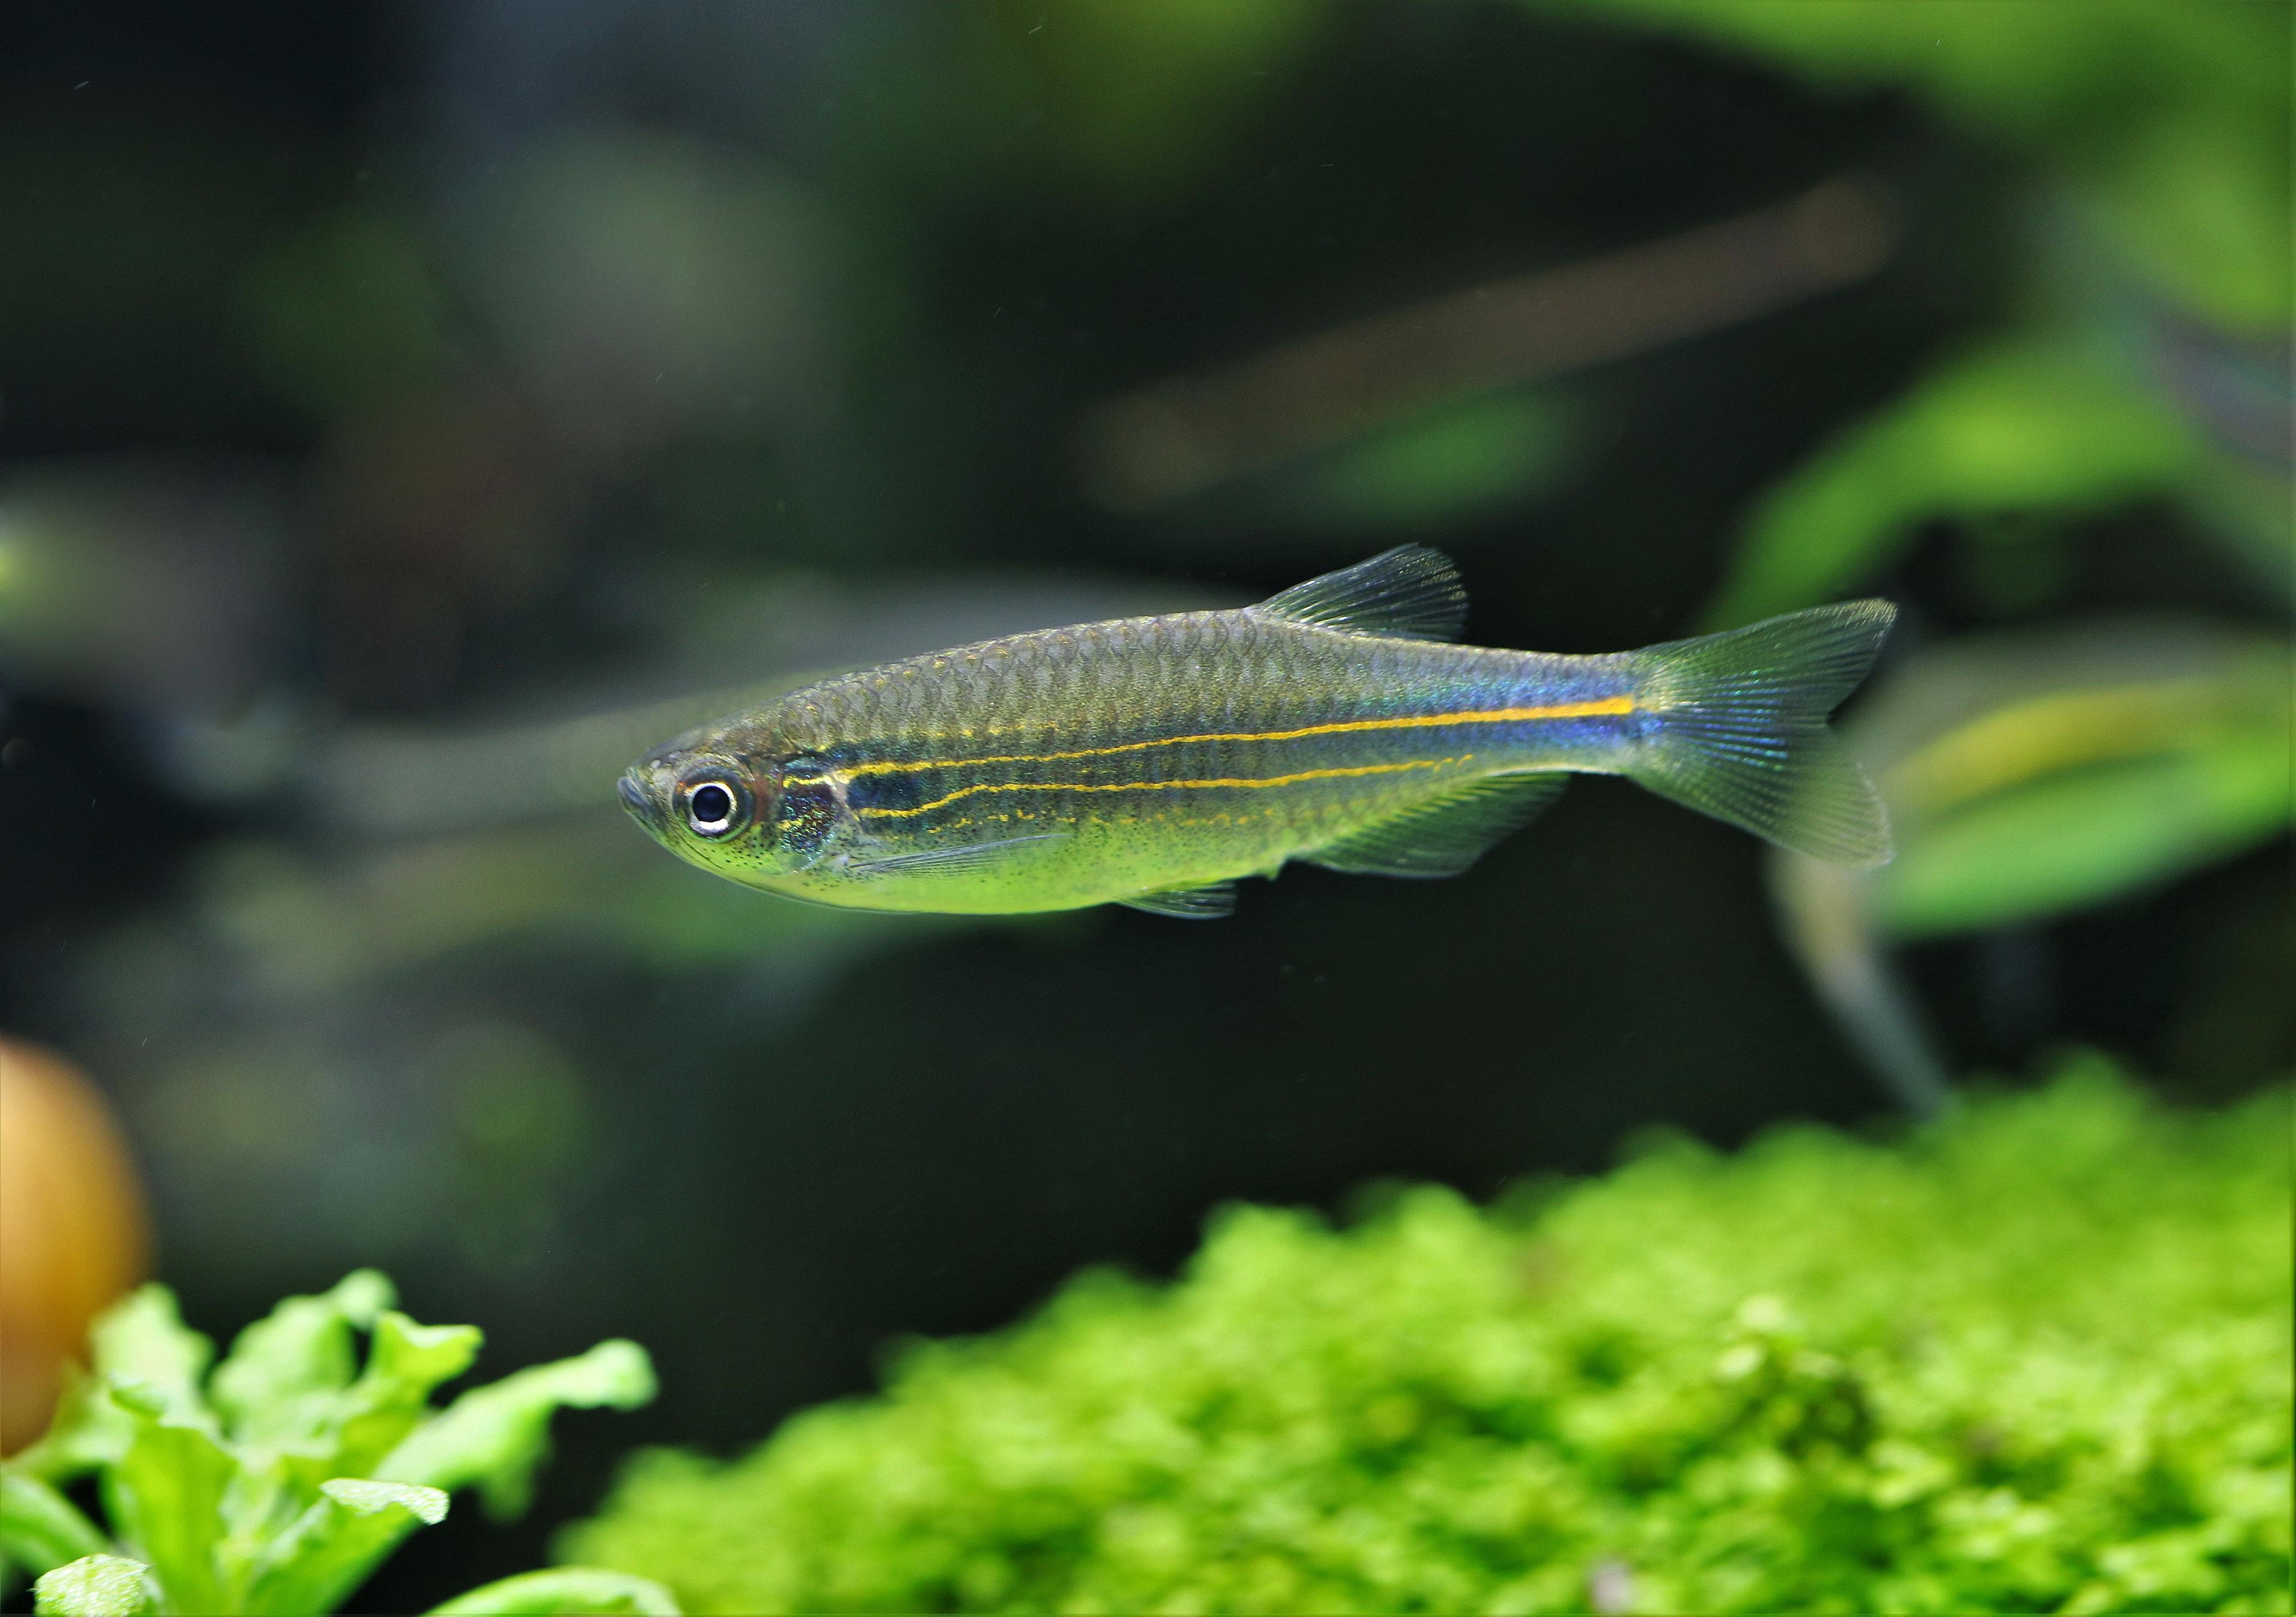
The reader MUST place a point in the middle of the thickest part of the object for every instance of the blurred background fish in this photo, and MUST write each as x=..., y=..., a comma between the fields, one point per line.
x=409, y=414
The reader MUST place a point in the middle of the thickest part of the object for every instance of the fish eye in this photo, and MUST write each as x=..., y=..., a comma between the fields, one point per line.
x=714, y=808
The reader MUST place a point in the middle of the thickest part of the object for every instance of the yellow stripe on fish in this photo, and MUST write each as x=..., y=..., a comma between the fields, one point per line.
x=1605, y=707
x=1246, y=782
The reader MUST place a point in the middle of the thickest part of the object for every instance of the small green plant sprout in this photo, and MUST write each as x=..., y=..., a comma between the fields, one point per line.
x=278, y=1482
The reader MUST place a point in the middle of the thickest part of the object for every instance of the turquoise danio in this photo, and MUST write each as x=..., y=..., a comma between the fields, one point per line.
x=1154, y=761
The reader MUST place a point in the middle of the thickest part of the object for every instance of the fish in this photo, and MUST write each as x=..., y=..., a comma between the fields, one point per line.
x=1154, y=762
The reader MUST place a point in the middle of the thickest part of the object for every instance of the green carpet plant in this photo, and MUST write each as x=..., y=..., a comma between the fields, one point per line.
x=277, y=1481
x=2035, y=1357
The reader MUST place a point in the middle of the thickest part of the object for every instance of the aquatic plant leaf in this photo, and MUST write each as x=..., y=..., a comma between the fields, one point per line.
x=328, y=1551
x=1188, y=903
x=1410, y=592
x=1446, y=836
x=2068, y=842
x=493, y=1436
x=283, y=1376
x=2034, y=772
x=2018, y=427
x=562, y=1590
x=39, y=1528
x=96, y=1586
x=282, y=1517
x=143, y=1340
x=392, y=1396
x=164, y=1498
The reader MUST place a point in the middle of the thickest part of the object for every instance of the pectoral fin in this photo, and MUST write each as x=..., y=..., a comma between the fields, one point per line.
x=1444, y=836
x=1188, y=903
x=971, y=856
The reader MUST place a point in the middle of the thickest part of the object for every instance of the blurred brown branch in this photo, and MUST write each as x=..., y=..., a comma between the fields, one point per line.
x=1184, y=435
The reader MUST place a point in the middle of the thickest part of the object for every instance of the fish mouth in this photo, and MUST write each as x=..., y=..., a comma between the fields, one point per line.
x=640, y=804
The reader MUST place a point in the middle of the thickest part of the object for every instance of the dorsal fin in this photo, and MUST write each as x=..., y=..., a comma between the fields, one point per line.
x=1443, y=837
x=1409, y=593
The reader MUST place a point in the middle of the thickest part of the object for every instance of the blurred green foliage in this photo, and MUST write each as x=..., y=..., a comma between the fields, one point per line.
x=2042, y=426
x=2037, y=1358
x=1445, y=466
x=346, y=313
x=2032, y=773
x=2170, y=120
x=2077, y=794
x=1126, y=103
x=277, y=1483
x=2156, y=141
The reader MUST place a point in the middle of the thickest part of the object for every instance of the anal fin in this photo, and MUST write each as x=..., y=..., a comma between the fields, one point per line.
x=1444, y=836
x=1188, y=903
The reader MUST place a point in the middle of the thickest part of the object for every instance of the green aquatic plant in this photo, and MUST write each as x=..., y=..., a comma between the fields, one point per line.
x=277, y=1481
x=2035, y=1358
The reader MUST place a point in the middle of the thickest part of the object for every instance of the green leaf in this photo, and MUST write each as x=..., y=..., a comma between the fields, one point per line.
x=562, y=1590
x=332, y=1548
x=39, y=1528
x=87, y=1431
x=495, y=1436
x=142, y=1340
x=165, y=1497
x=2031, y=774
x=284, y=1374
x=2018, y=427
x=95, y=1586
x=2066, y=843
x=392, y=1396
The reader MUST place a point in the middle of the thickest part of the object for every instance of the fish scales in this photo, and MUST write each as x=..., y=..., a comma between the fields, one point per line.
x=1204, y=721
x=1132, y=760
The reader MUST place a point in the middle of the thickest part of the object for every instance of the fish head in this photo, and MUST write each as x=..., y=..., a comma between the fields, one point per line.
x=730, y=800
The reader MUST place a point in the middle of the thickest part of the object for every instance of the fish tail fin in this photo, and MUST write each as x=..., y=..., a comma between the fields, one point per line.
x=1735, y=728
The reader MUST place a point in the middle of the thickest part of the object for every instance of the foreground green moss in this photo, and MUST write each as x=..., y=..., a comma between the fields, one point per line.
x=2037, y=1360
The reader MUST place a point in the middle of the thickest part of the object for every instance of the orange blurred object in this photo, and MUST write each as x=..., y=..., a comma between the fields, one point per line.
x=72, y=1234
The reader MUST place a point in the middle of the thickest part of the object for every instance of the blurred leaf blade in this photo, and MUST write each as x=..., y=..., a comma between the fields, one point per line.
x=2012, y=427
x=283, y=1374
x=2039, y=774
x=41, y=1530
x=332, y=1548
x=562, y=1590
x=143, y=1341
x=493, y=1436
x=405, y=1363
x=2065, y=843
x=166, y=1497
